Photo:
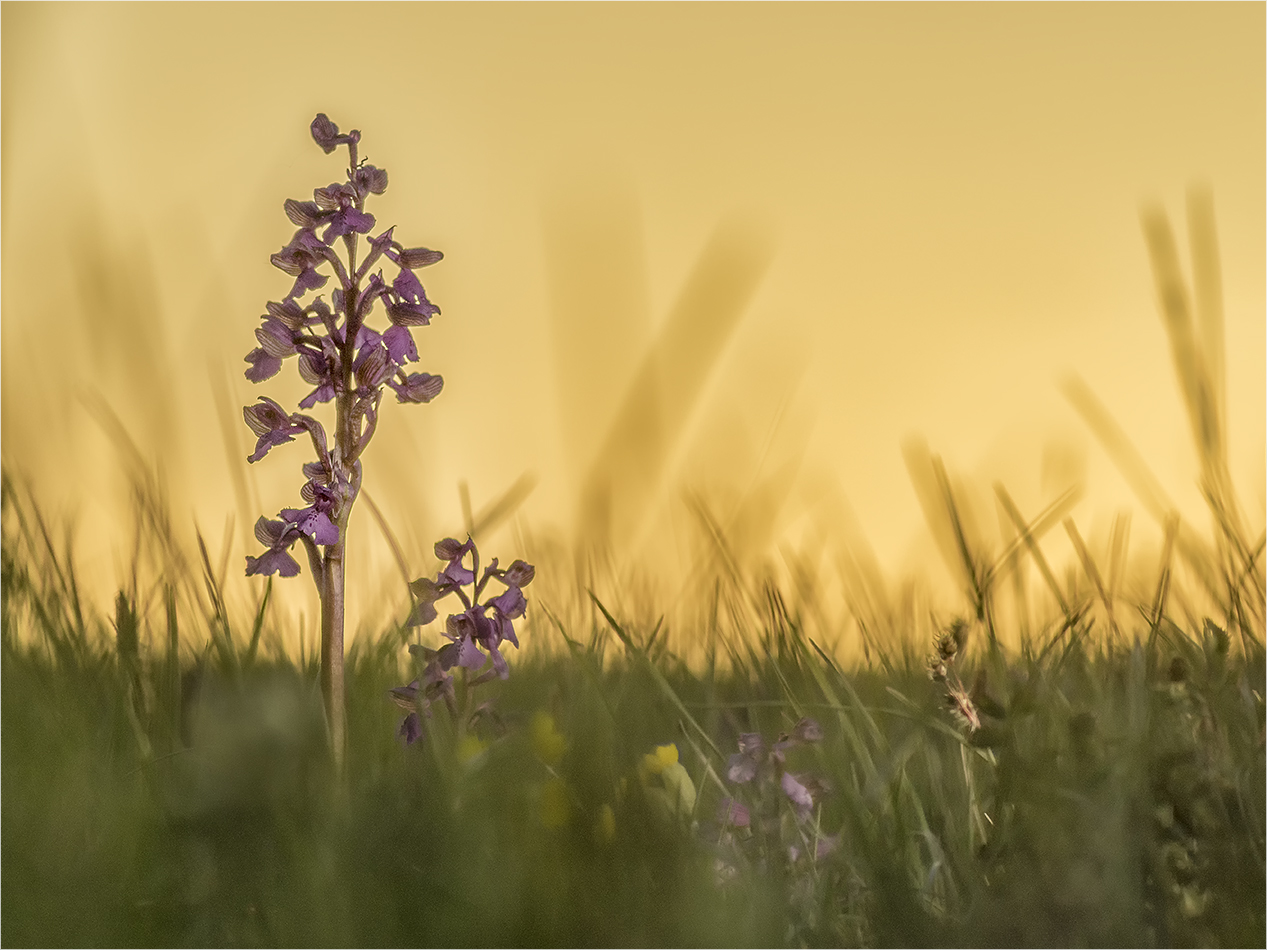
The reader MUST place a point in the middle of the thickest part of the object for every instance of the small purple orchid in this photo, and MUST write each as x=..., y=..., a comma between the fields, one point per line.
x=757, y=759
x=271, y=423
x=277, y=536
x=474, y=635
x=416, y=698
x=774, y=818
x=346, y=362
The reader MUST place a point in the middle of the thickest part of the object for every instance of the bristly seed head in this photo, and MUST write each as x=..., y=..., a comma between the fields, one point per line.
x=951, y=642
x=965, y=711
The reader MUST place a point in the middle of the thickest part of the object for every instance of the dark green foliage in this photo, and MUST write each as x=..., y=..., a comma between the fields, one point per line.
x=1113, y=793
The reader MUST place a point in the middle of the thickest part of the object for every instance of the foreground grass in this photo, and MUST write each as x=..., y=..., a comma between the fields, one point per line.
x=1112, y=793
x=167, y=781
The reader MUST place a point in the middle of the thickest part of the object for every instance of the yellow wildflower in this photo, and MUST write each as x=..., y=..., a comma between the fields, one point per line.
x=654, y=763
x=674, y=790
x=547, y=743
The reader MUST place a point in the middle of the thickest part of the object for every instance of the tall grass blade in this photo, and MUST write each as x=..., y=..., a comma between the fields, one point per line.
x=258, y=626
x=1176, y=311
x=656, y=675
x=1031, y=542
x=235, y=453
x=1092, y=572
x=1158, y=608
x=629, y=467
x=388, y=535
x=497, y=512
x=218, y=622
x=1142, y=481
x=1207, y=284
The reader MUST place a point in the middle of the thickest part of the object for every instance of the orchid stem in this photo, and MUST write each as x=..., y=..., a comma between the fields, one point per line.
x=332, y=648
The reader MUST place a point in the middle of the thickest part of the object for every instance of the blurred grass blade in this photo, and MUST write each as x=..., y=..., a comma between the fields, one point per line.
x=1163, y=575
x=489, y=518
x=235, y=454
x=1119, y=541
x=1045, y=520
x=1093, y=574
x=856, y=742
x=1143, y=483
x=1176, y=314
x=218, y=622
x=920, y=468
x=397, y=552
x=1115, y=441
x=258, y=626
x=629, y=468
x=656, y=675
x=1207, y=286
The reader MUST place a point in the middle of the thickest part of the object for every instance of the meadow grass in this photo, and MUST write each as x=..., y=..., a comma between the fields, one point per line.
x=167, y=781
x=1084, y=766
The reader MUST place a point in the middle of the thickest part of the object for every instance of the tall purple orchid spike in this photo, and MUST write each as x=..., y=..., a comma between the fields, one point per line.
x=347, y=362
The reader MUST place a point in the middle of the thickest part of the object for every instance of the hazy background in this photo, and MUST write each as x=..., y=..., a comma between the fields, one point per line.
x=742, y=250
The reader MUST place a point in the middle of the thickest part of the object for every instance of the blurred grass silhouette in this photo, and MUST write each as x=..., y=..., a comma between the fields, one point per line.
x=166, y=779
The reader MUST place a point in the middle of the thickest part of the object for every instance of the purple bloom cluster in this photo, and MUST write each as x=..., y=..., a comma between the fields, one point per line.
x=473, y=631
x=776, y=815
x=765, y=762
x=416, y=698
x=337, y=353
x=474, y=635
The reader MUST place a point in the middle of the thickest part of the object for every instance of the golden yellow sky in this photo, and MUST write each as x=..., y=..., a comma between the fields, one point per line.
x=818, y=229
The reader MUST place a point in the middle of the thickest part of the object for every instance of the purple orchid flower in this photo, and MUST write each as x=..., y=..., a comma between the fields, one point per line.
x=306, y=214
x=400, y=345
x=415, y=257
x=369, y=180
x=271, y=424
x=797, y=793
x=326, y=134
x=373, y=366
x=733, y=814
x=300, y=259
x=506, y=607
x=417, y=387
x=417, y=697
x=345, y=217
x=276, y=338
x=474, y=637
x=315, y=520
x=469, y=631
x=454, y=574
x=375, y=289
x=757, y=758
x=263, y=366
x=318, y=369
x=409, y=289
x=277, y=536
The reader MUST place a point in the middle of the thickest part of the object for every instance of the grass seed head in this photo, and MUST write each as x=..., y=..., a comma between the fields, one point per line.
x=964, y=709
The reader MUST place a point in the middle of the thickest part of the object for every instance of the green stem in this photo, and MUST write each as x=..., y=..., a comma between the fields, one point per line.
x=332, y=575
x=332, y=644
